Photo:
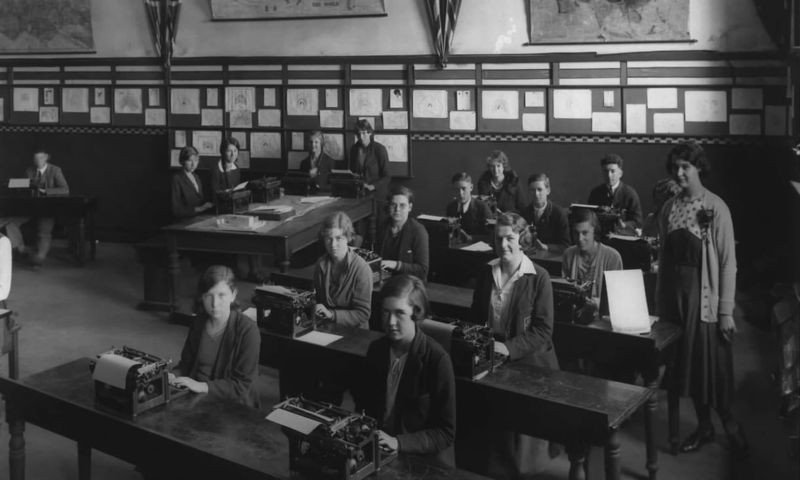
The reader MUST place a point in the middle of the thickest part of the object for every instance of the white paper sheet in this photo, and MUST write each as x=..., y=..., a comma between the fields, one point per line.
x=430, y=104
x=396, y=146
x=478, y=247
x=153, y=97
x=302, y=102
x=112, y=369
x=211, y=117
x=319, y=199
x=241, y=119
x=463, y=100
x=19, y=182
x=627, y=303
x=251, y=313
x=395, y=120
x=608, y=98
x=331, y=98
x=269, y=117
x=333, y=119
x=500, y=104
x=180, y=138
x=636, y=118
x=534, y=122
x=212, y=97
x=462, y=120
x=26, y=99
x=534, y=98
x=240, y=98
x=396, y=98
x=319, y=338
x=662, y=98
x=796, y=186
x=298, y=141
x=294, y=421
x=747, y=98
x=607, y=122
x=706, y=105
x=75, y=100
x=366, y=102
x=128, y=100
x=100, y=115
x=433, y=218
x=183, y=101
x=269, y=97
x=668, y=123
x=155, y=116
x=572, y=103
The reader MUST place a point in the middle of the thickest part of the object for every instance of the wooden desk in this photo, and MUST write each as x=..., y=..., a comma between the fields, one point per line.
x=192, y=437
x=456, y=266
x=282, y=241
x=561, y=406
x=79, y=208
x=9, y=341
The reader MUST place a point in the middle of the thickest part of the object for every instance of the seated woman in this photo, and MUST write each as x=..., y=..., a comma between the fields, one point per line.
x=225, y=175
x=501, y=183
x=403, y=242
x=471, y=212
x=188, y=198
x=220, y=355
x=514, y=297
x=550, y=220
x=318, y=164
x=342, y=279
x=588, y=258
x=409, y=387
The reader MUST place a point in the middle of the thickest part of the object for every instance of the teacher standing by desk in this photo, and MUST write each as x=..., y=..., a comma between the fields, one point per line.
x=370, y=159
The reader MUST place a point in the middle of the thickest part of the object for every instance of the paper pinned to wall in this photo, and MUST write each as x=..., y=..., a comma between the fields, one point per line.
x=48, y=114
x=207, y=143
x=180, y=138
x=331, y=98
x=706, y=105
x=75, y=100
x=332, y=118
x=269, y=97
x=607, y=122
x=608, y=98
x=396, y=98
x=745, y=124
x=155, y=116
x=395, y=120
x=174, y=157
x=183, y=101
x=534, y=122
x=747, y=99
x=430, y=104
x=462, y=120
x=636, y=118
x=100, y=115
x=500, y=104
x=128, y=100
x=668, y=123
x=396, y=146
x=265, y=145
x=366, y=102
x=26, y=99
x=662, y=98
x=240, y=98
x=269, y=117
x=211, y=117
x=241, y=119
x=302, y=102
x=2, y=109
x=534, y=98
x=775, y=119
x=572, y=103
x=212, y=97
x=463, y=100
x=298, y=141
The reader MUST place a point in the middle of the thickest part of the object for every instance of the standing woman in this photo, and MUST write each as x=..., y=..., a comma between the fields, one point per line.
x=501, y=183
x=696, y=287
x=371, y=160
x=403, y=241
x=188, y=198
x=225, y=175
x=318, y=164
x=220, y=355
x=342, y=279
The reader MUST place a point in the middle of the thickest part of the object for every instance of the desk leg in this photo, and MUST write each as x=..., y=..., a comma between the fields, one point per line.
x=16, y=449
x=81, y=246
x=673, y=412
x=92, y=234
x=174, y=269
x=650, y=408
x=84, y=461
x=579, y=464
x=613, y=455
x=284, y=257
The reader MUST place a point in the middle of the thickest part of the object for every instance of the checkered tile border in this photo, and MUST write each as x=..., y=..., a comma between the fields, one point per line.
x=477, y=137
x=68, y=129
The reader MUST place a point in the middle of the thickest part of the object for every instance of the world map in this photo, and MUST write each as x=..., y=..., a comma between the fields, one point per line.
x=39, y=26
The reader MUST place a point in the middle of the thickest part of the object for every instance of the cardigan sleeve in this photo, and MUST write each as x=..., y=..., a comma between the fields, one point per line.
x=188, y=353
x=664, y=265
x=560, y=229
x=538, y=331
x=726, y=254
x=419, y=250
x=357, y=313
x=244, y=365
x=5, y=267
x=382, y=157
x=441, y=430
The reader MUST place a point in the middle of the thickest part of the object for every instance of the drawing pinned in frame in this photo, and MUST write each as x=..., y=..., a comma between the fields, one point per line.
x=99, y=96
x=211, y=117
x=265, y=145
x=241, y=119
x=100, y=115
x=331, y=118
x=500, y=104
x=206, y=142
x=128, y=100
x=302, y=102
x=75, y=100
x=240, y=98
x=395, y=120
x=572, y=103
x=155, y=116
x=269, y=117
x=366, y=102
x=26, y=99
x=48, y=114
x=185, y=101
x=396, y=146
x=430, y=104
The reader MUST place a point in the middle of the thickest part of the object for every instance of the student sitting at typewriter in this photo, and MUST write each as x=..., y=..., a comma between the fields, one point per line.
x=409, y=386
x=613, y=193
x=342, y=279
x=318, y=164
x=588, y=258
x=501, y=183
x=220, y=355
x=471, y=212
x=188, y=198
x=225, y=175
x=403, y=241
x=550, y=220
x=514, y=297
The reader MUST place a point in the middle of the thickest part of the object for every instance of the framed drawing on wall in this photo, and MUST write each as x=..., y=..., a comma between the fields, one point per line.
x=281, y=9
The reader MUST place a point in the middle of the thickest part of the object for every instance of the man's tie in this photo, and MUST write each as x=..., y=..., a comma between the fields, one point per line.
x=38, y=179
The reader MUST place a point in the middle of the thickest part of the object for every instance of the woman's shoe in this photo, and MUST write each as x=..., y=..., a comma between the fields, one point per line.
x=700, y=437
x=737, y=440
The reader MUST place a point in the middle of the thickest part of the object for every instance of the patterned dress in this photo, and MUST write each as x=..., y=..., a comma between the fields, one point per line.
x=704, y=367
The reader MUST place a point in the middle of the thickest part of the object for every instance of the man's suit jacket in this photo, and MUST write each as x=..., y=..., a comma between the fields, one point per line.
x=52, y=180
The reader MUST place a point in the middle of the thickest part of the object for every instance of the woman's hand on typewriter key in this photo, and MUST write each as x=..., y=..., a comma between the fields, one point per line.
x=387, y=441
x=389, y=265
x=192, y=384
x=500, y=347
x=321, y=311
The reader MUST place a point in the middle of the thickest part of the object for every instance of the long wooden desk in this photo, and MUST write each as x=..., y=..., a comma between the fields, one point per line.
x=286, y=238
x=456, y=266
x=79, y=208
x=556, y=405
x=191, y=437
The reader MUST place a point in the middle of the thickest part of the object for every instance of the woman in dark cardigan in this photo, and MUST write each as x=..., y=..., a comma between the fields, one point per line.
x=225, y=174
x=409, y=386
x=342, y=279
x=318, y=164
x=188, y=197
x=220, y=355
x=514, y=297
x=501, y=184
x=403, y=242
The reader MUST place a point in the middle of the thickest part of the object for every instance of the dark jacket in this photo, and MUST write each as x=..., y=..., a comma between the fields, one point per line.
x=425, y=405
x=184, y=196
x=529, y=322
x=624, y=197
x=552, y=228
x=221, y=181
x=510, y=197
x=324, y=167
x=53, y=180
x=236, y=366
x=375, y=169
x=413, y=251
x=473, y=221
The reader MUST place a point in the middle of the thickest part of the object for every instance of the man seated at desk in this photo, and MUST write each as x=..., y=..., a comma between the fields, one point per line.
x=409, y=386
x=45, y=180
x=613, y=193
x=471, y=212
x=550, y=220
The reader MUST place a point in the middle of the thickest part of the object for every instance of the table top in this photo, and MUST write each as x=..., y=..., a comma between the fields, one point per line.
x=229, y=431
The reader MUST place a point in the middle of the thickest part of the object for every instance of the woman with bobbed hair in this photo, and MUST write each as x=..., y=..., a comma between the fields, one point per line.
x=225, y=174
x=403, y=241
x=342, y=279
x=501, y=183
x=318, y=164
x=188, y=197
x=370, y=159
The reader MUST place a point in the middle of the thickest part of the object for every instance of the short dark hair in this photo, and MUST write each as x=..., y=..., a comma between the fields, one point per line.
x=400, y=190
x=539, y=177
x=691, y=152
x=611, y=159
x=518, y=225
x=338, y=220
x=227, y=141
x=412, y=288
x=186, y=153
x=461, y=177
x=363, y=125
x=41, y=149
x=212, y=276
x=498, y=156
x=580, y=215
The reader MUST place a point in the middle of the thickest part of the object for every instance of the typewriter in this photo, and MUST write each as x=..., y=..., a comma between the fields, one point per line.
x=265, y=189
x=291, y=310
x=342, y=446
x=130, y=381
x=232, y=202
x=345, y=183
x=471, y=348
x=374, y=262
x=443, y=232
x=569, y=299
x=297, y=182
